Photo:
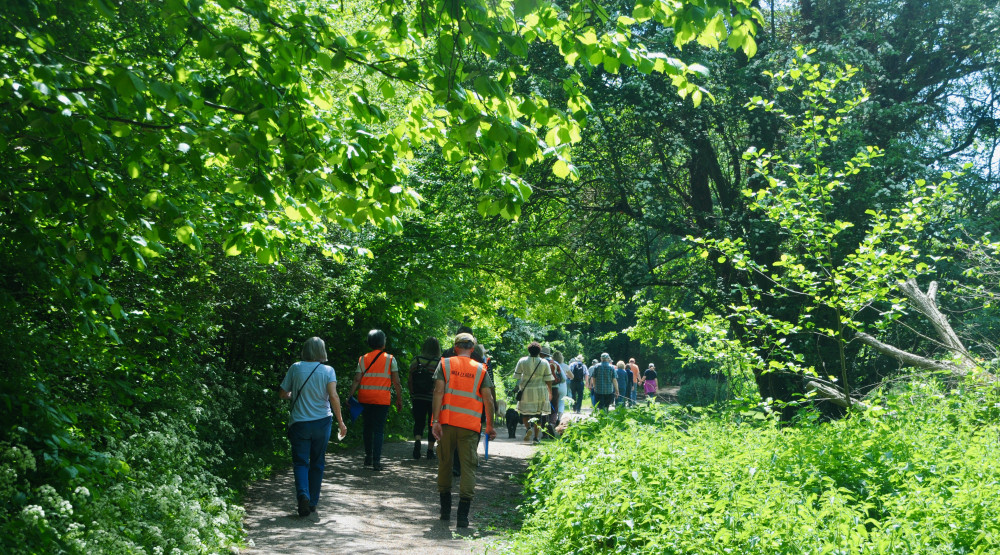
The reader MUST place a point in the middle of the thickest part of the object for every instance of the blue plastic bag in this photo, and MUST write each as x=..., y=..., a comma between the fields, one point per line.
x=354, y=407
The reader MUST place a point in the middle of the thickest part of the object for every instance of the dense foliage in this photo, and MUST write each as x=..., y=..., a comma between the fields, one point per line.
x=190, y=188
x=917, y=475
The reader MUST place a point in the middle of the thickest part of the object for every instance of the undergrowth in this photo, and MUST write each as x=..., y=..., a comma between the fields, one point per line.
x=916, y=475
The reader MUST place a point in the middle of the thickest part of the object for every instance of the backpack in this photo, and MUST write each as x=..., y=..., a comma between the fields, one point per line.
x=423, y=375
x=557, y=375
x=577, y=368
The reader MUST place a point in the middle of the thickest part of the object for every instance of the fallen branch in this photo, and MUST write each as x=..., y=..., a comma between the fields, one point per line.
x=926, y=304
x=832, y=393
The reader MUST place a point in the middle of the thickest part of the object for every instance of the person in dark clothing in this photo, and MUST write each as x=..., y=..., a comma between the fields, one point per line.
x=579, y=371
x=421, y=385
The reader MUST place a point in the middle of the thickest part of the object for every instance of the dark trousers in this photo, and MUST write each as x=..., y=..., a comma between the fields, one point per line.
x=373, y=429
x=422, y=413
x=604, y=400
x=576, y=390
x=309, y=441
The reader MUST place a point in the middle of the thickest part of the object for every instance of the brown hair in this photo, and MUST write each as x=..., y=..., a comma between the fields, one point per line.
x=534, y=348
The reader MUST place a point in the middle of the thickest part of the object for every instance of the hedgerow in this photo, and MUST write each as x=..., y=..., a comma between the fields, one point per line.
x=917, y=474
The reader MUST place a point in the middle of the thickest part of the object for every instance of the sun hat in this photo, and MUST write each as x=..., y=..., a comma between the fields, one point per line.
x=605, y=356
x=546, y=351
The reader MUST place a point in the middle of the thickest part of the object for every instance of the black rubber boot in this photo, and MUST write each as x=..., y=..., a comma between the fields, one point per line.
x=446, y=506
x=463, y=512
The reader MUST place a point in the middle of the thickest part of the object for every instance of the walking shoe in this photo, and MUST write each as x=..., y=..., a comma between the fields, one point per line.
x=377, y=466
x=416, y=449
x=430, y=455
x=368, y=460
x=303, y=505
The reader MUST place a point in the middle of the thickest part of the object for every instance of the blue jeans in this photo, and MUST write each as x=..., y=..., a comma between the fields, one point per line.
x=635, y=387
x=373, y=429
x=309, y=440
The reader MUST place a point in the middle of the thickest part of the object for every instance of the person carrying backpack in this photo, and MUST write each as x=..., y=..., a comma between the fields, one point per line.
x=603, y=380
x=579, y=372
x=421, y=385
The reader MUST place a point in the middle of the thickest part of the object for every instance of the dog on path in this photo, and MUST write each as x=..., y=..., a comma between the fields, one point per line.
x=510, y=417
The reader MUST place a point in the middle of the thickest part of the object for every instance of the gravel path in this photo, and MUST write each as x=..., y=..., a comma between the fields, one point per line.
x=361, y=511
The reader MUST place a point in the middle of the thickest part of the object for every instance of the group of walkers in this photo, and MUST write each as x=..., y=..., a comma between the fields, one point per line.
x=544, y=379
x=610, y=383
x=452, y=395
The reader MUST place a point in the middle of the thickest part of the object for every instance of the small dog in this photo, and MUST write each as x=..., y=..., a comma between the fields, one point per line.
x=511, y=417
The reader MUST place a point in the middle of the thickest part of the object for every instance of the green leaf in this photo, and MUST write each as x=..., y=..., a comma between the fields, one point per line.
x=185, y=234
x=524, y=7
x=388, y=91
x=561, y=169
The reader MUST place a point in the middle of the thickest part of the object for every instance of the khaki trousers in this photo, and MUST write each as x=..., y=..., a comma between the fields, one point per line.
x=467, y=442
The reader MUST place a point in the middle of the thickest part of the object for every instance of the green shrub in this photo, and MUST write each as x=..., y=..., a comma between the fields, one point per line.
x=149, y=492
x=702, y=392
x=916, y=476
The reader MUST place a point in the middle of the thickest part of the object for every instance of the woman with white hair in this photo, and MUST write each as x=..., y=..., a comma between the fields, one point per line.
x=312, y=388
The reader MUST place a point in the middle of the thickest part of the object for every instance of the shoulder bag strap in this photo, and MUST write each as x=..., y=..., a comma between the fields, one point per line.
x=297, y=393
x=371, y=363
x=533, y=372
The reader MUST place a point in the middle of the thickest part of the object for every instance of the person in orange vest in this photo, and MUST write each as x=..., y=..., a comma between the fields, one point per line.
x=374, y=380
x=462, y=390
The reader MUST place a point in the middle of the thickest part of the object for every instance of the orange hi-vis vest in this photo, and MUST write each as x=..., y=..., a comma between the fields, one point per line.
x=462, y=405
x=376, y=383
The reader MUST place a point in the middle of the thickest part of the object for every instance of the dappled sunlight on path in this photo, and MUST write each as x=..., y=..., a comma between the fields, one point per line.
x=362, y=511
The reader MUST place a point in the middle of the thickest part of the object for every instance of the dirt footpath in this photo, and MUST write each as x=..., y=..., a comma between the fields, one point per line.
x=393, y=511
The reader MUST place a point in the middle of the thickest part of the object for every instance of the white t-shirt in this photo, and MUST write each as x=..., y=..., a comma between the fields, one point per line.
x=314, y=402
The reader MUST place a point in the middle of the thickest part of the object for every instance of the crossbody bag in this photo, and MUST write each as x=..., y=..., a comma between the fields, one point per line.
x=520, y=390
